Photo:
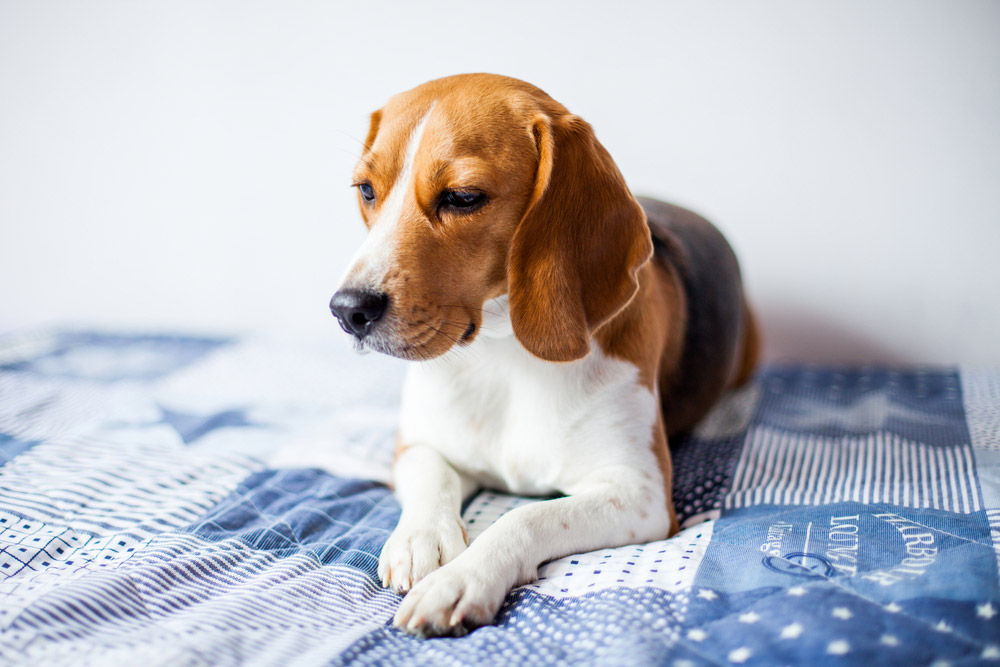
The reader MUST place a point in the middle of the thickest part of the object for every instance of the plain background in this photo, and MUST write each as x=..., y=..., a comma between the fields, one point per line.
x=185, y=165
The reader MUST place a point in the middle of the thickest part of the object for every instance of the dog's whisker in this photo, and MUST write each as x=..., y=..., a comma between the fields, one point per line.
x=352, y=153
x=457, y=350
x=354, y=138
x=482, y=309
x=460, y=351
x=473, y=308
x=418, y=344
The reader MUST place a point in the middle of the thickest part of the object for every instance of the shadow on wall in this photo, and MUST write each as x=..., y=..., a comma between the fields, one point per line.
x=800, y=335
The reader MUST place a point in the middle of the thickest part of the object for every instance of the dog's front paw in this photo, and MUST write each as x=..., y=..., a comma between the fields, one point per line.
x=450, y=601
x=415, y=550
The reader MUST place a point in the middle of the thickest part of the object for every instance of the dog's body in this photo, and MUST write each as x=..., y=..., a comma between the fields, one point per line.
x=558, y=349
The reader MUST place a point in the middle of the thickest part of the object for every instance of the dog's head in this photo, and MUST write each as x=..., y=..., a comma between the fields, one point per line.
x=476, y=186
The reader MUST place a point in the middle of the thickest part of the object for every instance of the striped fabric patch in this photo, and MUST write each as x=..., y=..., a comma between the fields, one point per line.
x=993, y=516
x=135, y=491
x=226, y=603
x=76, y=506
x=781, y=468
x=981, y=391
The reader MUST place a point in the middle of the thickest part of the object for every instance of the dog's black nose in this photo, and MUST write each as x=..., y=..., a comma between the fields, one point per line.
x=357, y=310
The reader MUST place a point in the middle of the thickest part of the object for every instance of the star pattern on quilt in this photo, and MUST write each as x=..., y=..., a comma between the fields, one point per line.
x=838, y=647
x=192, y=547
x=942, y=626
x=697, y=634
x=840, y=644
x=740, y=655
x=707, y=594
x=842, y=613
x=792, y=631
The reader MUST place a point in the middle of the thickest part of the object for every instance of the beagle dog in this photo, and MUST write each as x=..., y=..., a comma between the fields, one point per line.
x=562, y=331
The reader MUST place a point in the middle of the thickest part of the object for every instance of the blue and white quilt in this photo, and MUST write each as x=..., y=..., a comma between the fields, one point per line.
x=170, y=500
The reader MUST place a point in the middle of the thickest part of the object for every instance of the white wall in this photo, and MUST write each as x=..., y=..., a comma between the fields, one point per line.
x=186, y=164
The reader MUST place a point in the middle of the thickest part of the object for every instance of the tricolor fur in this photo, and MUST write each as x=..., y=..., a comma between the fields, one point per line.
x=561, y=332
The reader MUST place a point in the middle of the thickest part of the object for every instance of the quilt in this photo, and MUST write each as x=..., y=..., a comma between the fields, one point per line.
x=194, y=500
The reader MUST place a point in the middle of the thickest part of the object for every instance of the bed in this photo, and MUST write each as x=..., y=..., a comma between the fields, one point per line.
x=192, y=500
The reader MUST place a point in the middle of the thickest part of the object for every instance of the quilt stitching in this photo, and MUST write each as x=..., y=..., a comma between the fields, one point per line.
x=261, y=564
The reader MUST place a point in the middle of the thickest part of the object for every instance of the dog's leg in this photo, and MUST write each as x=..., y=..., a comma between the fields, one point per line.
x=612, y=508
x=430, y=531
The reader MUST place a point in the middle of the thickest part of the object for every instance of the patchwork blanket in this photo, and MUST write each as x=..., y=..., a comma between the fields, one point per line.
x=199, y=501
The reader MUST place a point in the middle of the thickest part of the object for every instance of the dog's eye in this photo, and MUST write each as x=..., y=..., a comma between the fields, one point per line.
x=367, y=192
x=464, y=201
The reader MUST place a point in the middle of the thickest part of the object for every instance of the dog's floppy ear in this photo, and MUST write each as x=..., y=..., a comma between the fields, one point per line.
x=575, y=253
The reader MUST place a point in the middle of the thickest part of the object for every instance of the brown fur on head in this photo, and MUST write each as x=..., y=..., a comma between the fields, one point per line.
x=556, y=229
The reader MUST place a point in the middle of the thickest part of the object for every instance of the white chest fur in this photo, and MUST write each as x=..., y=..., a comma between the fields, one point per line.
x=517, y=423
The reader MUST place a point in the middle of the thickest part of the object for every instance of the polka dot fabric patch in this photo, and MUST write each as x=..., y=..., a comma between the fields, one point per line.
x=668, y=565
